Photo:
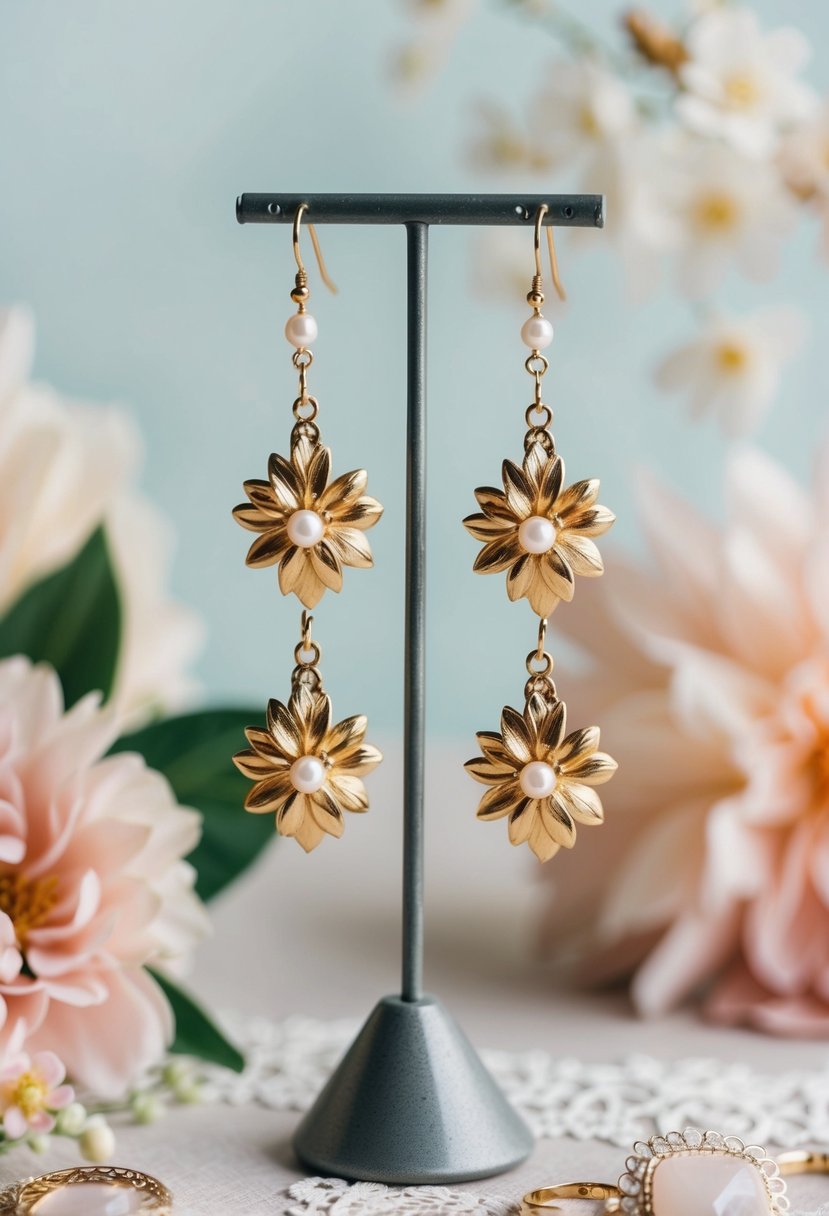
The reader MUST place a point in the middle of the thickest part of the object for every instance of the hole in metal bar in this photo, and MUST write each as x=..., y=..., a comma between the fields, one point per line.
x=274, y=209
x=568, y=211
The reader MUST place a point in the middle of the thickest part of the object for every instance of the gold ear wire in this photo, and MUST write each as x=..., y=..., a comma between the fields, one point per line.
x=542, y=211
x=301, y=271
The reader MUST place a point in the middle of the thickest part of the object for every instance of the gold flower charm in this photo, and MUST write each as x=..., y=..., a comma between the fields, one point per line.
x=539, y=532
x=310, y=526
x=305, y=770
x=538, y=777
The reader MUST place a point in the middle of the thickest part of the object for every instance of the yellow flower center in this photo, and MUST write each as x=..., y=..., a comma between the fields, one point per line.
x=716, y=211
x=731, y=358
x=588, y=122
x=27, y=901
x=28, y=1092
x=741, y=90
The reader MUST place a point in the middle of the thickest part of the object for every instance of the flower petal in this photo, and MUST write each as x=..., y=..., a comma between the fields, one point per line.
x=290, y=816
x=520, y=577
x=268, y=795
x=326, y=812
x=543, y=601
x=261, y=496
x=318, y=724
x=250, y=517
x=493, y=503
x=500, y=800
x=344, y=491
x=482, y=527
x=285, y=483
x=540, y=841
x=550, y=486
x=494, y=748
x=267, y=549
x=284, y=729
x=486, y=772
x=49, y=1068
x=558, y=823
x=557, y=574
x=553, y=727
x=309, y=834
x=581, y=554
x=15, y=1123
x=498, y=554
x=362, y=514
x=578, y=496
x=519, y=493
x=521, y=822
x=349, y=791
x=319, y=470
x=358, y=761
x=326, y=567
x=594, y=521
x=351, y=546
x=345, y=734
x=591, y=770
x=579, y=743
x=516, y=735
x=585, y=804
x=263, y=742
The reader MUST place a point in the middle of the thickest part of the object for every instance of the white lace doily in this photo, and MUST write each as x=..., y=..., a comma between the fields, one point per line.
x=332, y=1195
x=289, y=1061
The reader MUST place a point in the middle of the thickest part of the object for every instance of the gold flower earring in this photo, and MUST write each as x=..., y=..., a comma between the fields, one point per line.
x=307, y=770
x=542, y=534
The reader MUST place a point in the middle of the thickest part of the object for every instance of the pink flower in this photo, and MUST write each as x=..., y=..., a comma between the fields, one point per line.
x=30, y=1090
x=92, y=885
x=712, y=684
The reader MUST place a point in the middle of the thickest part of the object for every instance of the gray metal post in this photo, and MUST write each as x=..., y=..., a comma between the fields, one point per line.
x=411, y=1101
x=414, y=695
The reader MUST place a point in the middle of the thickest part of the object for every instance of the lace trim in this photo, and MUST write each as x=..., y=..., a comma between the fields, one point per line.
x=289, y=1061
x=319, y=1195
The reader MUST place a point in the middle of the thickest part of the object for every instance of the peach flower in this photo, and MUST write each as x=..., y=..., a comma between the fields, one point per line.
x=92, y=885
x=66, y=468
x=712, y=683
x=31, y=1091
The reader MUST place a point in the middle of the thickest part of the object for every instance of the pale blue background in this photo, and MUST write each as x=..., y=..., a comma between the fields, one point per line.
x=128, y=128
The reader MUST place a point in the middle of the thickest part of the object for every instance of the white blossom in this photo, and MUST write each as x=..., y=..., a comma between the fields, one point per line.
x=742, y=83
x=733, y=367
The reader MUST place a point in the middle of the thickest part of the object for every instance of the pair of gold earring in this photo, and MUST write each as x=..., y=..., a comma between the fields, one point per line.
x=309, y=771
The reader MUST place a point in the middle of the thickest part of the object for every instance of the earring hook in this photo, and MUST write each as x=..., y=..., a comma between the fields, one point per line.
x=542, y=211
x=312, y=232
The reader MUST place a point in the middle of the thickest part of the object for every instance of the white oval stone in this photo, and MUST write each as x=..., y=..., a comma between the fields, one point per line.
x=537, y=779
x=301, y=330
x=305, y=529
x=537, y=332
x=537, y=534
x=308, y=774
x=706, y=1184
x=92, y=1199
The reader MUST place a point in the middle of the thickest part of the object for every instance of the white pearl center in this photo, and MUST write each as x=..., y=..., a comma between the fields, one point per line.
x=537, y=780
x=537, y=332
x=537, y=534
x=301, y=330
x=308, y=774
x=305, y=529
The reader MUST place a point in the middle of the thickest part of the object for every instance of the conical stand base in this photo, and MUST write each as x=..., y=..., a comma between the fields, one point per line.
x=411, y=1103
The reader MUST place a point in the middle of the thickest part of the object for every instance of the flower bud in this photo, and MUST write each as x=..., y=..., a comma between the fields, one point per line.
x=38, y=1144
x=97, y=1139
x=71, y=1120
x=146, y=1108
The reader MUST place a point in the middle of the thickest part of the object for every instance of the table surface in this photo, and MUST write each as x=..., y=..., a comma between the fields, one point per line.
x=319, y=935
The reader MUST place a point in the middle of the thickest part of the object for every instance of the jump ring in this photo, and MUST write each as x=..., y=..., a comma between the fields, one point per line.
x=308, y=403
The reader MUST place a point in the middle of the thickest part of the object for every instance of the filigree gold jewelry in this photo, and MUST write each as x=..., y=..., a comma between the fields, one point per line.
x=689, y=1173
x=24, y=1197
x=310, y=525
x=306, y=769
x=541, y=533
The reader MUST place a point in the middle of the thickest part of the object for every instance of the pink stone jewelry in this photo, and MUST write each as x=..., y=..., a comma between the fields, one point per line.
x=690, y=1173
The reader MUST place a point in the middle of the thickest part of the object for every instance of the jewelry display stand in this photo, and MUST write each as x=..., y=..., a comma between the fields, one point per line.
x=411, y=1102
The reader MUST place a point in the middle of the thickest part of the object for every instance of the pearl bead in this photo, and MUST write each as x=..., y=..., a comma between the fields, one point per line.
x=305, y=529
x=301, y=330
x=536, y=534
x=537, y=780
x=307, y=774
x=537, y=332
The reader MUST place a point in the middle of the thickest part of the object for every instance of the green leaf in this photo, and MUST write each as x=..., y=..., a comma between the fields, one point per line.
x=71, y=619
x=196, y=1034
x=194, y=754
